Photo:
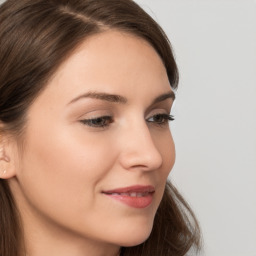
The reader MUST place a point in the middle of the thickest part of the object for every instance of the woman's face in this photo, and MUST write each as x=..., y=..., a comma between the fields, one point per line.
x=98, y=148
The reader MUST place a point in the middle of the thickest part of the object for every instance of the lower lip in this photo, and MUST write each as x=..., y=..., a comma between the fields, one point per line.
x=135, y=202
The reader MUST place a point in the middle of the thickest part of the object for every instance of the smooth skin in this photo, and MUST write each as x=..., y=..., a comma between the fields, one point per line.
x=78, y=143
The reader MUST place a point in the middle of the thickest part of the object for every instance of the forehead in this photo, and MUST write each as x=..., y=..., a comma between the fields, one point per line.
x=115, y=47
x=113, y=62
x=114, y=50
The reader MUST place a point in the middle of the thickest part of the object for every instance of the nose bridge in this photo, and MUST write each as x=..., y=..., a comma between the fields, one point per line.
x=139, y=149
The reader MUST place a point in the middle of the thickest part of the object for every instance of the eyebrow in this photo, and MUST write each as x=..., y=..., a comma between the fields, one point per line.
x=165, y=96
x=102, y=96
x=120, y=99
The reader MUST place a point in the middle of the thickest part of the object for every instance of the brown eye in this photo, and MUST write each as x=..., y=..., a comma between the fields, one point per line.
x=160, y=119
x=98, y=122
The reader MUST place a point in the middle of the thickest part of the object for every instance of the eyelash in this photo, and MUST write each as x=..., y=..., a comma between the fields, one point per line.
x=97, y=121
x=165, y=118
x=105, y=121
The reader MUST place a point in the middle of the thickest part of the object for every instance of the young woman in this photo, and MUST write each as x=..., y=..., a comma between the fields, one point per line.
x=86, y=90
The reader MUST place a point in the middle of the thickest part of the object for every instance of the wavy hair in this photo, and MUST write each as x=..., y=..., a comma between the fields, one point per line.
x=36, y=36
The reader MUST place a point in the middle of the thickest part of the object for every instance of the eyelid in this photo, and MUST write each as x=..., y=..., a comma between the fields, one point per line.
x=160, y=107
x=168, y=117
x=94, y=112
x=159, y=110
x=97, y=118
x=98, y=122
x=160, y=117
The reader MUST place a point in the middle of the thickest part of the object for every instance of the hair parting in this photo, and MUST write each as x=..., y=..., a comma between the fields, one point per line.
x=36, y=37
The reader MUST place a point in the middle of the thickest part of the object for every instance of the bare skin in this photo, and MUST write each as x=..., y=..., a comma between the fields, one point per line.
x=79, y=143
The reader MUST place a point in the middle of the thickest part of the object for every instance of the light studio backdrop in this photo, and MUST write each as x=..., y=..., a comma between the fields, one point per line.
x=215, y=128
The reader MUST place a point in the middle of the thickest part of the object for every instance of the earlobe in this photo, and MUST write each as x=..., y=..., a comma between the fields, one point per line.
x=3, y=174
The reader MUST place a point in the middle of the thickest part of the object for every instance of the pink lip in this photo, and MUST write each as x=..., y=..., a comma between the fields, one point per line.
x=126, y=195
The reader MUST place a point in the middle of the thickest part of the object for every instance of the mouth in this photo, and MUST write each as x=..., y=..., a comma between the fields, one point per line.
x=131, y=194
x=134, y=196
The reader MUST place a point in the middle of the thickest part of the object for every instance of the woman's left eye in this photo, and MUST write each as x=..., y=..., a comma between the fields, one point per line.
x=98, y=122
x=160, y=119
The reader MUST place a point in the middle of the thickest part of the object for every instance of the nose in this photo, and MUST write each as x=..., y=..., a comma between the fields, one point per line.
x=139, y=150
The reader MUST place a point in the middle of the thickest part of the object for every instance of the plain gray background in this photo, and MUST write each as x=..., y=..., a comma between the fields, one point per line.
x=215, y=128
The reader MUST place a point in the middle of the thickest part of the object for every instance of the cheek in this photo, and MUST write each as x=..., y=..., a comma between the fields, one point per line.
x=166, y=147
x=62, y=170
x=170, y=154
x=61, y=176
x=59, y=151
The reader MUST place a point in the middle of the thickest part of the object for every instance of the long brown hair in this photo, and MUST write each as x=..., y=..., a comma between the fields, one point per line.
x=36, y=36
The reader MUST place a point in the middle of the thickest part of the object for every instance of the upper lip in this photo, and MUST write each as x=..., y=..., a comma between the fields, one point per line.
x=130, y=189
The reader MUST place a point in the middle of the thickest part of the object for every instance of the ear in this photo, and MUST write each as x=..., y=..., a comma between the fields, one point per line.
x=7, y=158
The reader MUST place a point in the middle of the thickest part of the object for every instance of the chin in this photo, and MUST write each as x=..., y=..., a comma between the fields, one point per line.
x=136, y=236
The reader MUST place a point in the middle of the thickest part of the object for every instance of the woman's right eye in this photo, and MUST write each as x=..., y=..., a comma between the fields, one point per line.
x=98, y=122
